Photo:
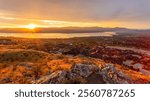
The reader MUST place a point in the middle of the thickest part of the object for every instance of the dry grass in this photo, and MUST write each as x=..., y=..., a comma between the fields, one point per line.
x=23, y=64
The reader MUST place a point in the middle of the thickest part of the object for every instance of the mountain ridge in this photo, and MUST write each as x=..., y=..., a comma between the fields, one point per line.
x=73, y=30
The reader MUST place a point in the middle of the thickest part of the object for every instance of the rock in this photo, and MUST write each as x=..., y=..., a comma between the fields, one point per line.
x=111, y=75
x=83, y=69
x=48, y=79
x=145, y=72
x=85, y=73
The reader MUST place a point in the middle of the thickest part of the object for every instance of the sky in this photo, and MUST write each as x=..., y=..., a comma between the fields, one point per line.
x=81, y=13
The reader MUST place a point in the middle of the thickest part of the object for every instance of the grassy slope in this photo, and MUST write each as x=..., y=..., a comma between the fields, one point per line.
x=25, y=66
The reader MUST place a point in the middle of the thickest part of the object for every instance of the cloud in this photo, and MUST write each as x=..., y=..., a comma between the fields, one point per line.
x=80, y=10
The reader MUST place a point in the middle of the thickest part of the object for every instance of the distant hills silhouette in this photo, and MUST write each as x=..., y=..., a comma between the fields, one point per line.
x=72, y=30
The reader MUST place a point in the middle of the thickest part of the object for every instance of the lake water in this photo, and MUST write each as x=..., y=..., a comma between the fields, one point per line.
x=146, y=52
x=56, y=35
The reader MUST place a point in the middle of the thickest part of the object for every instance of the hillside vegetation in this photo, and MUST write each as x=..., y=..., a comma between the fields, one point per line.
x=39, y=61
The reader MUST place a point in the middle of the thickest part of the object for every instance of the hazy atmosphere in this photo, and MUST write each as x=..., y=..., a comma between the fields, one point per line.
x=62, y=13
x=75, y=42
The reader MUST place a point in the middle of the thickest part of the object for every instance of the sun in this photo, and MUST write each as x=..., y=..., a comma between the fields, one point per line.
x=31, y=26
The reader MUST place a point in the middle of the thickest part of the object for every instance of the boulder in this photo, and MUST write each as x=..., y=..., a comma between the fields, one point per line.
x=86, y=74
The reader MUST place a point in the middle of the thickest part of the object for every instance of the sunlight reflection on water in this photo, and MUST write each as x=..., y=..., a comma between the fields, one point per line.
x=56, y=35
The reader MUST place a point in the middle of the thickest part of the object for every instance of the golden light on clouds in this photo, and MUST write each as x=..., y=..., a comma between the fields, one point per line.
x=76, y=13
x=12, y=21
x=16, y=22
x=24, y=23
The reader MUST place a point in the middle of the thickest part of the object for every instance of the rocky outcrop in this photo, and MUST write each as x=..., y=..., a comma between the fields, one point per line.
x=112, y=75
x=86, y=73
x=36, y=67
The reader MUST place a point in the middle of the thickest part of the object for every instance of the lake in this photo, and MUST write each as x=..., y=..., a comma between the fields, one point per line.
x=56, y=35
x=146, y=52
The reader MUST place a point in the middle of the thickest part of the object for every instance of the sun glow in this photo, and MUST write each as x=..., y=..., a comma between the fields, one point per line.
x=31, y=26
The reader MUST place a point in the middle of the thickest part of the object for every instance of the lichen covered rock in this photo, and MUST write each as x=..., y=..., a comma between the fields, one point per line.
x=85, y=73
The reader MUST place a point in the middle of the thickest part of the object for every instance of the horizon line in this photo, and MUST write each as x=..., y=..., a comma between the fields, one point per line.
x=77, y=27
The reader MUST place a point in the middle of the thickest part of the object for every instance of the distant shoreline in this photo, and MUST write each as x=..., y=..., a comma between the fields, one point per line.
x=56, y=35
x=73, y=30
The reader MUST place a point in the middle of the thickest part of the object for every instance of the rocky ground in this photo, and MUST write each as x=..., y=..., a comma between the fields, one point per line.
x=72, y=61
x=29, y=66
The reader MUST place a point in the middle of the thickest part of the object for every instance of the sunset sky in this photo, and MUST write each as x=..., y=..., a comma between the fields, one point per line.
x=82, y=13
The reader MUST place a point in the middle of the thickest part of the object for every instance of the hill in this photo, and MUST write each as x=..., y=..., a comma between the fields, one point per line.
x=28, y=66
x=72, y=30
